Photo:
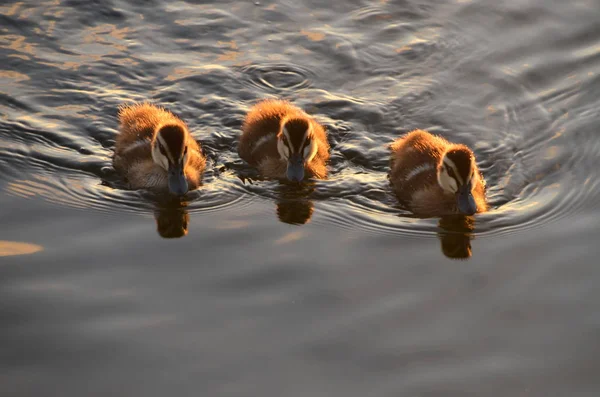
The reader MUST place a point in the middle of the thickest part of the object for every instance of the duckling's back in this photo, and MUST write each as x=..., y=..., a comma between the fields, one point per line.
x=261, y=126
x=413, y=174
x=414, y=162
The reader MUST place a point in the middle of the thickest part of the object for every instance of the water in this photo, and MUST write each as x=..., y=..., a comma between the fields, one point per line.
x=252, y=288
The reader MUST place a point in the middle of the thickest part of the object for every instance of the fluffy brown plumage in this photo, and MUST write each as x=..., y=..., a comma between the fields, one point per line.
x=151, y=140
x=263, y=131
x=417, y=161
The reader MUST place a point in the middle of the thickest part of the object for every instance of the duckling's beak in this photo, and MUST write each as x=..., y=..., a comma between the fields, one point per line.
x=177, y=182
x=295, y=168
x=465, y=199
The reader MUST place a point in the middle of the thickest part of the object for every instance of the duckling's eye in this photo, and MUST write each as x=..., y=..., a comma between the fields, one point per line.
x=162, y=149
x=451, y=173
x=306, y=145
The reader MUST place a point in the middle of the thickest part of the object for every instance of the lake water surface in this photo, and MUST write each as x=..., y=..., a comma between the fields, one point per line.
x=254, y=288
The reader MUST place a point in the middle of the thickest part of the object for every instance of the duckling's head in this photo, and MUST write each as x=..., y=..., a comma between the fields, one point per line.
x=170, y=151
x=456, y=175
x=296, y=145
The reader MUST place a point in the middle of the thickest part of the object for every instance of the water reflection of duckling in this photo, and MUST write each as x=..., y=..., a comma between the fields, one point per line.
x=154, y=150
x=172, y=223
x=172, y=220
x=295, y=212
x=283, y=141
x=434, y=177
x=293, y=203
x=455, y=236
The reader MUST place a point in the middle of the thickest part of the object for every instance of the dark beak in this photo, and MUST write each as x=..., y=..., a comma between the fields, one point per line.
x=465, y=199
x=295, y=168
x=177, y=183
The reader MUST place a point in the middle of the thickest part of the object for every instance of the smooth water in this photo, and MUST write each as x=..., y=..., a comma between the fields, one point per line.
x=330, y=289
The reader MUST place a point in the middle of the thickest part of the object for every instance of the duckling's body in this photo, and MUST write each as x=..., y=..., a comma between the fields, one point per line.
x=154, y=150
x=283, y=141
x=434, y=177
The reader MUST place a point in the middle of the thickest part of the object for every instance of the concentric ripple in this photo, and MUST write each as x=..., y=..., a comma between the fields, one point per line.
x=47, y=166
x=278, y=78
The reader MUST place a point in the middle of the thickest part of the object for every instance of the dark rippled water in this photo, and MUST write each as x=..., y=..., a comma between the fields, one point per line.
x=326, y=290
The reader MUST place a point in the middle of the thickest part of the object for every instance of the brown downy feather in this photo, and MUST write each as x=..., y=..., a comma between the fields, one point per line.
x=138, y=126
x=258, y=142
x=414, y=166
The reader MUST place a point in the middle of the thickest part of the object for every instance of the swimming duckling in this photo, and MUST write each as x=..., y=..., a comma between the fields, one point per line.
x=154, y=150
x=282, y=141
x=434, y=177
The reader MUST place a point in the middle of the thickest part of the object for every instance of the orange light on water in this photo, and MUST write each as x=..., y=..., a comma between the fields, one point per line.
x=11, y=248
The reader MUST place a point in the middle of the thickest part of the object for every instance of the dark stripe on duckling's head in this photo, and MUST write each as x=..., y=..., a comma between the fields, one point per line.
x=462, y=160
x=171, y=140
x=294, y=134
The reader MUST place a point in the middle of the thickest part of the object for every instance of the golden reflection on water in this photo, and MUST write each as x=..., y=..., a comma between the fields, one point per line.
x=51, y=190
x=551, y=152
x=34, y=120
x=96, y=41
x=12, y=76
x=289, y=238
x=403, y=49
x=313, y=36
x=20, y=56
x=232, y=225
x=12, y=248
x=180, y=73
x=62, y=66
x=107, y=34
x=9, y=11
x=228, y=56
x=17, y=43
x=231, y=44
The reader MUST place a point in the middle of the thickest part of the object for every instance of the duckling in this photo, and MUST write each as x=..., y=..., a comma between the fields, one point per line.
x=154, y=150
x=283, y=141
x=434, y=177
